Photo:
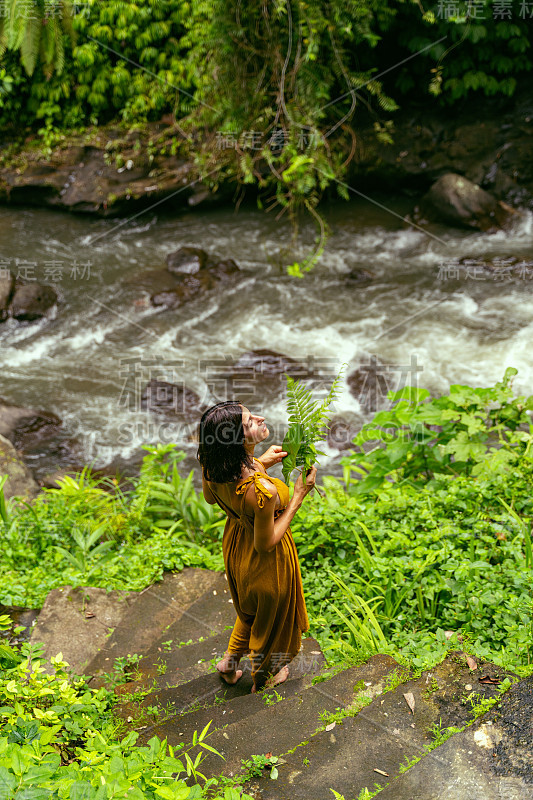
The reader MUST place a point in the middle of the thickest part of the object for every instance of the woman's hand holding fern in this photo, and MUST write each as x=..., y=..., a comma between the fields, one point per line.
x=274, y=455
x=302, y=489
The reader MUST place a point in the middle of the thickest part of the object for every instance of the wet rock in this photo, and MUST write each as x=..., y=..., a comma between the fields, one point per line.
x=40, y=437
x=222, y=270
x=358, y=275
x=25, y=425
x=32, y=300
x=7, y=286
x=187, y=260
x=193, y=272
x=162, y=397
x=85, y=177
x=342, y=430
x=370, y=382
x=20, y=481
x=455, y=199
x=258, y=375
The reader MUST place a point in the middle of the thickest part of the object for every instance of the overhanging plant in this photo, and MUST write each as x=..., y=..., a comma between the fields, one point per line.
x=308, y=425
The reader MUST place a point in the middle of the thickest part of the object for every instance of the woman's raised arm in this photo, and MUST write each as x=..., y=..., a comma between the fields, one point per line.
x=268, y=531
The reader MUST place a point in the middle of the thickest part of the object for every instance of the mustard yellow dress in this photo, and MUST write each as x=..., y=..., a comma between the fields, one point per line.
x=266, y=588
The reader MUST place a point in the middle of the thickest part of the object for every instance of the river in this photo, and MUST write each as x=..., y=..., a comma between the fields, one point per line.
x=418, y=310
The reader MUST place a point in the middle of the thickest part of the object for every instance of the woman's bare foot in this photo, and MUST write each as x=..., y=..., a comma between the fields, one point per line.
x=279, y=677
x=227, y=669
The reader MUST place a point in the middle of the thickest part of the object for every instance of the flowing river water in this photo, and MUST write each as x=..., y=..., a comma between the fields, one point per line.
x=455, y=325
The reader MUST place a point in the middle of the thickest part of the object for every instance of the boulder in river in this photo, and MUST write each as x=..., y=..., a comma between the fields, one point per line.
x=193, y=272
x=24, y=425
x=20, y=481
x=163, y=397
x=7, y=286
x=40, y=437
x=455, y=199
x=32, y=300
x=187, y=260
x=342, y=429
x=258, y=376
x=370, y=382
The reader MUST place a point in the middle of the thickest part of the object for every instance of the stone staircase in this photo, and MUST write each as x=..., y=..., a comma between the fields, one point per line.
x=363, y=726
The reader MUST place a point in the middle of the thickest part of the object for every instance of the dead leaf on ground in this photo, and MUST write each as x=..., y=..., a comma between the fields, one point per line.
x=488, y=679
x=380, y=772
x=472, y=663
x=89, y=614
x=330, y=726
x=410, y=700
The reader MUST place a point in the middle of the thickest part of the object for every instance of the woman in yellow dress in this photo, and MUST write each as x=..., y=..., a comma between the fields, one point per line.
x=260, y=556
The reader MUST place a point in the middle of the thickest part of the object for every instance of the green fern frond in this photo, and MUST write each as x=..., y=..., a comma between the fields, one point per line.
x=308, y=424
x=29, y=46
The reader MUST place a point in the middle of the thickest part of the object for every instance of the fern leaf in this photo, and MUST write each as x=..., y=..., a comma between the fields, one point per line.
x=308, y=423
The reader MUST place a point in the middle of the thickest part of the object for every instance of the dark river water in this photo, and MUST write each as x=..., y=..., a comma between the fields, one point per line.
x=424, y=317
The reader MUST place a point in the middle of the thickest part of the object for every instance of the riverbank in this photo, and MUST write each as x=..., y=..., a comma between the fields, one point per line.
x=115, y=170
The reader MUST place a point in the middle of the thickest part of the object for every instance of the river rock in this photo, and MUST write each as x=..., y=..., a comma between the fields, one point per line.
x=20, y=481
x=193, y=273
x=342, y=429
x=7, y=286
x=358, y=275
x=455, y=199
x=32, y=300
x=187, y=260
x=162, y=397
x=257, y=376
x=25, y=425
x=369, y=384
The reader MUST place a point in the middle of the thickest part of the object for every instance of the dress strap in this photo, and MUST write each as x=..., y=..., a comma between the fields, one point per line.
x=260, y=491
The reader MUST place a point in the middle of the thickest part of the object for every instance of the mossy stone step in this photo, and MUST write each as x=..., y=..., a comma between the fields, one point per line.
x=77, y=621
x=381, y=736
x=177, y=665
x=152, y=611
x=228, y=704
x=285, y=725
x=165, y=661
x=491, y=760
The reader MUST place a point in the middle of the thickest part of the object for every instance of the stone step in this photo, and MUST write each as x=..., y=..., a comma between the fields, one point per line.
x=216, y=702
x=176, y=665
x=491, y=760
x=77, y=621
x=380, y=737
x=282, y=726
x=152, y=611
x=211, y=615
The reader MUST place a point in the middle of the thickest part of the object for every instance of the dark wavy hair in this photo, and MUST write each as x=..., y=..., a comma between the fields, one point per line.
x=221, y=450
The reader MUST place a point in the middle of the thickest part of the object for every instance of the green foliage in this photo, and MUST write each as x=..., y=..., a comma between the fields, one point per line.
x=307, y=424
x=36, y=30
x=59, y=738
x=420, y=437
x=119, y=540
x=123, y=60
x=485, y=53
x=419, y=561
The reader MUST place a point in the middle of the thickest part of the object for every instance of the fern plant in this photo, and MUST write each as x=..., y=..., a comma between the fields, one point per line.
x=307, y=425
x=36, y=32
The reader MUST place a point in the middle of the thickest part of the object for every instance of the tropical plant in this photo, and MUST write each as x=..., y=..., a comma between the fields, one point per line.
x=420, y=436
x=307, y=424
x=35, y=29
x=87, y=553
